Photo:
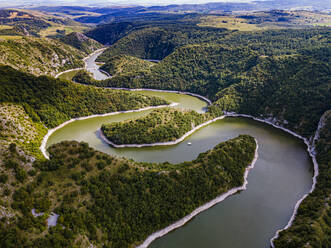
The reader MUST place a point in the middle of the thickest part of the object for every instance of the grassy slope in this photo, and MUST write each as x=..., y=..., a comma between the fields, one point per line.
x=39, y=55
x=17, y=127
x=275, y=19
x=35, y=23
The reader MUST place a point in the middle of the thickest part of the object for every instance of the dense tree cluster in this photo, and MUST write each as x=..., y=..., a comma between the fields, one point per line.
x=295, y=90
x=84, y=77
x=160, y=125
x=125, y=64
x=53, y=101
x=158, y=41
x=117, y=202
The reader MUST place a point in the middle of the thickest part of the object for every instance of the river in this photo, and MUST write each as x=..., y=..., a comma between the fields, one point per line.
x=92, y=67
x=281, y=176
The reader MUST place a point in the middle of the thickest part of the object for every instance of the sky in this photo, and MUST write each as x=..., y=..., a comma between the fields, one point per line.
x=4, y=3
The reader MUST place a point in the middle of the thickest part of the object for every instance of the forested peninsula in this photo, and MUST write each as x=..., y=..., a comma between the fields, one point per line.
x=116, y=201
x=161, y=125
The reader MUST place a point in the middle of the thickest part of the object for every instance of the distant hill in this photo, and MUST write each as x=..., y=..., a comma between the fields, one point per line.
x=158, y=41
x=35, y=23
x=81, y=42
x=106, y=14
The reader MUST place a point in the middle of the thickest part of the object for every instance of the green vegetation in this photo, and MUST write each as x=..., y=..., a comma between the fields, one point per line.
x=83, y=77
x=54, y=102
x=311, y=227
x=116, y=202
x=158, y=42
x=81, y=42
x=251, y=80
x=16, y=127
x=294, y=89
x=113, y=202
x=160, y=125
x=39, y=56
x=124, y=65
x=280, y=75
x=109, y=33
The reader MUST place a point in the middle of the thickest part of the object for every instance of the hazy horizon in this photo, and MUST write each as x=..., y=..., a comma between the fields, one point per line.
x=9, y=3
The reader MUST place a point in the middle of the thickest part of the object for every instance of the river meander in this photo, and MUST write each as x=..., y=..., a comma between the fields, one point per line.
x=282, y=175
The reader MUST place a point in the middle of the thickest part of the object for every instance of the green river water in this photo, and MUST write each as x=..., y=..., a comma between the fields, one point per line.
x=281, y=176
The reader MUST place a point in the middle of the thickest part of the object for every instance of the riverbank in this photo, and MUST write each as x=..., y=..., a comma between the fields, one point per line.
x=85, y=66
x=168, y=143
x=312, y=154
x=166, y=91
x=76, y=69
x=310, y=149
x=101, y=50
x=51, y=131
x=202, y=208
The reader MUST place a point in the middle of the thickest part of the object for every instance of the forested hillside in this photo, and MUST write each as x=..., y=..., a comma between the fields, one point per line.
x=157, y=42
x=123, y=65
x=39, y=56
x=269, y=77
x=312, y=224
x=110, y=33
x=116, y=202
x=296, y=90
x=54, y=101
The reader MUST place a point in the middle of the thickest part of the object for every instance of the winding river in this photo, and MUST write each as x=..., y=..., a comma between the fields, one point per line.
x=282, y=175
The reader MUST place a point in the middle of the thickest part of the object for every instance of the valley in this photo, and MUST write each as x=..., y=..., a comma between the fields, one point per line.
x=234, y=110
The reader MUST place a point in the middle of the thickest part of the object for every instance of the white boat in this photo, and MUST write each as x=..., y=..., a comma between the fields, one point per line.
x=189, y=143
